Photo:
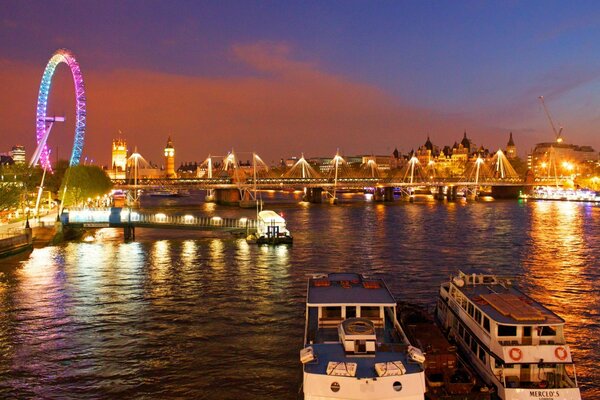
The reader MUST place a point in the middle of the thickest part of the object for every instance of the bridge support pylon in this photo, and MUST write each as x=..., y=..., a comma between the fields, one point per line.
x=440, y=193
x=227, y=197
x=388, y=194
x=378, y=194
x=314, y=195
x=452, y=193
x=129, y=232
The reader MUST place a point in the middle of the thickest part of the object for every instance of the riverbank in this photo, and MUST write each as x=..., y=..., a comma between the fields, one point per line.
x=16, y=242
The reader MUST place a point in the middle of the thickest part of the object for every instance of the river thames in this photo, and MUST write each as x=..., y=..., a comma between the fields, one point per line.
x=179, y=314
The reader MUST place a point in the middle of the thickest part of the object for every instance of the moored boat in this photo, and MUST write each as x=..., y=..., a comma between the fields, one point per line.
x=354, y=346
x=514, y=343
x=271, y=229
x=446, y=375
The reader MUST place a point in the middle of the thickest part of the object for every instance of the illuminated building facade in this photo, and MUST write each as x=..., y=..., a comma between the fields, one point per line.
x=170, y=160
x=118, y=168
x=18, y=154
x=562, y=159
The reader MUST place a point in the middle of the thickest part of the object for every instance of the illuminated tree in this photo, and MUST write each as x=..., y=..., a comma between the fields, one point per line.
x=83, y=182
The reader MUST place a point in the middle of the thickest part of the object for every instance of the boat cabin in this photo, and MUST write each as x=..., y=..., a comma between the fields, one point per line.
x=271, y=224
x=349, y=308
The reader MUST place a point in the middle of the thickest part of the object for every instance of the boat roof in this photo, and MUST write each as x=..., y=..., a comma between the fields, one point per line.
x=505, y=304
x=271, y=217
x=347, y=288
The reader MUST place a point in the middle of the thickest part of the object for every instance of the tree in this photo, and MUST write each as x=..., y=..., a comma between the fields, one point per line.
x=10, y=195
x=83, y=182
x=54, y=180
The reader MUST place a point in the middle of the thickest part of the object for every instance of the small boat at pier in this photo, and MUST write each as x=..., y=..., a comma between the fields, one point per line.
x=271, y=229
x=354, y=346
x=515, y=343
x=447, y=376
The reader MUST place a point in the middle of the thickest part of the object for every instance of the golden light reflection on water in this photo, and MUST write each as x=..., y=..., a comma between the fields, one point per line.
x=562, y=273
x=161, y=263
x=217, y=258
x=189, y=252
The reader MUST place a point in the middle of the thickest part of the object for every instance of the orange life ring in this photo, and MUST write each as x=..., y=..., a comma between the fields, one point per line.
x=560, y=353
x=515, y=354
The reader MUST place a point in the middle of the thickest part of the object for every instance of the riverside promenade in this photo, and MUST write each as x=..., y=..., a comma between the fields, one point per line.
x=16, y=237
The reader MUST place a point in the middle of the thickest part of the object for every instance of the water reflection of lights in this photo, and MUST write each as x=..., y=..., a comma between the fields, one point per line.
x=217, y=257
x=161, y=262
x=161, y=252
x=560, y=268
x=209, y=207
x=41, y=265
x=188, y=253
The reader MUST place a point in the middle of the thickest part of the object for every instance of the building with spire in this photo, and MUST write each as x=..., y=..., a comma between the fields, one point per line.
x=170, y=160
x=511, y=149
x=118, y=166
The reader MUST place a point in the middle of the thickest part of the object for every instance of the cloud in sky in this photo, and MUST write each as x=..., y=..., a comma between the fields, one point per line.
x=280, y=107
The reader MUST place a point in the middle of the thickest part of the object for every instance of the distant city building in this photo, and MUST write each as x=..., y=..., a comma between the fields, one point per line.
x=170, y=160
x=189, y=170
x=118, y=168
x=451, y=160
x=18, y=154
x=6, y=160
x=560, y=158
x=511, y=149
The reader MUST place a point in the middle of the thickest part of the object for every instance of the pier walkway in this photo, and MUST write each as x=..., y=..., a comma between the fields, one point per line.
x=129, y=219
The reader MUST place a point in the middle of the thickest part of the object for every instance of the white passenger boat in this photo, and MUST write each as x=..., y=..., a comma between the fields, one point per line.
x=271, y=229
x=514, y=342
x=354, y=347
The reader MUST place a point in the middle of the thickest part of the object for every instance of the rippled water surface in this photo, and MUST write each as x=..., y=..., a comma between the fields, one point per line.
x=185, y=315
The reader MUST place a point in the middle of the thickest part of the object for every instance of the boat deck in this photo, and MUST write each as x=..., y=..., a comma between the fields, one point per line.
x=326, y=352
x=507, y=305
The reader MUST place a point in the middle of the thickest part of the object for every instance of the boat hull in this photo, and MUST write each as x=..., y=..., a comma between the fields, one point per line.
x=318, y=387
x=275, y=240
x=542, y=394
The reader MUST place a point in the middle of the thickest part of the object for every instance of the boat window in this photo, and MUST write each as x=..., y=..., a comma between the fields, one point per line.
x=467, y=338
x=350, y=311
x=478, y=316
x=332, y=312
x=471, y=310
x=507, y=330
x=527, y=331
x=486, y=323
x=547, y=331
x=474, y=346
x=369, y=312
x=461, y=330
x=482, y=355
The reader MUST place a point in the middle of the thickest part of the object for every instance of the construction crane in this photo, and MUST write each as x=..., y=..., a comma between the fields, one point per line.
x=556, y=133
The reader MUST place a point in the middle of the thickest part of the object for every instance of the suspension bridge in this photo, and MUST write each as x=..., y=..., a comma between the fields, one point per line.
x=232, y=182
